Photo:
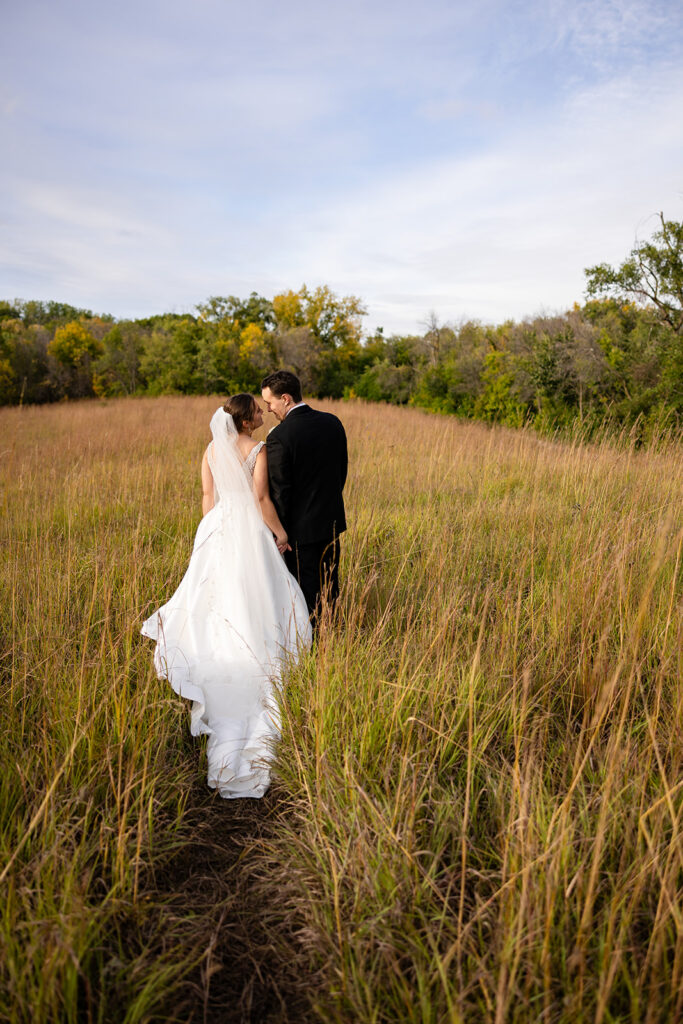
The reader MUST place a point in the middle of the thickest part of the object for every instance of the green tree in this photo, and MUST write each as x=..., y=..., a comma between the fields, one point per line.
x=499, y=401
x=9, y=311
x=23, y=352
x=254, y=310
x=652, y=275
x=218, y=356
x=117, y=371
x=385, y=382
x=671, y=383
x=169, y=363
x=53, y=314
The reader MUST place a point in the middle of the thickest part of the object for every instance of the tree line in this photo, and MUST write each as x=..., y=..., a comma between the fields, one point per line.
x=618, y=357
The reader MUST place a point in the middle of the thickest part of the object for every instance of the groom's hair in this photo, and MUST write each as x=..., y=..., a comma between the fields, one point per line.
x=282, y=382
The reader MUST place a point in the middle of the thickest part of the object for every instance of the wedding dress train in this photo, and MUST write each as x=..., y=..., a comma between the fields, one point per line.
x=236, y=620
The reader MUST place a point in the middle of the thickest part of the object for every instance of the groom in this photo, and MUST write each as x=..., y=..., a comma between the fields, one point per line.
x=307, y=464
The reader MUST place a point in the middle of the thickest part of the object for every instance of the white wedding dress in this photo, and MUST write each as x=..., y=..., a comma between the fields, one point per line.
x=234, y=623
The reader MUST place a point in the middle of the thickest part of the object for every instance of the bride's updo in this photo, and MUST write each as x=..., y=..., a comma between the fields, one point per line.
x=241, y=408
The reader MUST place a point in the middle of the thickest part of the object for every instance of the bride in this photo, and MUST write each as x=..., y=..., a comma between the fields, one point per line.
x=238, y=615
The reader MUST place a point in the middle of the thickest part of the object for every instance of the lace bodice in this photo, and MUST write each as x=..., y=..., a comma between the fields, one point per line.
x=250, y=460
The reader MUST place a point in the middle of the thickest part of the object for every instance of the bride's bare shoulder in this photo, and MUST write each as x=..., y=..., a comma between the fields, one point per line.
x=246, y=446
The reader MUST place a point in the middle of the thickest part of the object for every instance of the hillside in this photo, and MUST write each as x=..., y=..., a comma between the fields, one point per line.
x=477, y=812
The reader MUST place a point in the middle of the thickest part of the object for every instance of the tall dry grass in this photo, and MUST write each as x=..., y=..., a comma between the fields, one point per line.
x=480, y=772
x=99, y=507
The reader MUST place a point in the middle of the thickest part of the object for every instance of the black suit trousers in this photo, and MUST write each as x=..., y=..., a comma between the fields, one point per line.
x=316, y=567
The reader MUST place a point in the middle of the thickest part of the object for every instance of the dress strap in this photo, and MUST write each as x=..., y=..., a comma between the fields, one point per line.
x=252, y=456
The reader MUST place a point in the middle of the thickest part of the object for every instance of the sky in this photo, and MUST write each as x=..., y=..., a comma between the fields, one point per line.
x=433, y=157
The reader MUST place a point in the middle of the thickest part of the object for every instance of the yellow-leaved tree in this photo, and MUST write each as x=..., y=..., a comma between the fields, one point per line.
x=73, y=344
x=319, y=337
x=256, y=356
x=74, y=347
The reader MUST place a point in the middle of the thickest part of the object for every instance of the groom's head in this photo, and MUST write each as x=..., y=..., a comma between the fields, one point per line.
x=281, y=390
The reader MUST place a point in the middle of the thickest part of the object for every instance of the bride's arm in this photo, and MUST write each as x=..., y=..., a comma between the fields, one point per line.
x=207, y=485
x=270, y=516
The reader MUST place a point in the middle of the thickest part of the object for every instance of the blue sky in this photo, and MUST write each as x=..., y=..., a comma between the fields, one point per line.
x=429, y=157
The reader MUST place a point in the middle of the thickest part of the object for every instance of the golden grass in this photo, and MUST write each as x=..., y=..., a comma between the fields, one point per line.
x=480, y=774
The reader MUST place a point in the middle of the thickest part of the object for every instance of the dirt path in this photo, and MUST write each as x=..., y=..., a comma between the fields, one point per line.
x=248, y=974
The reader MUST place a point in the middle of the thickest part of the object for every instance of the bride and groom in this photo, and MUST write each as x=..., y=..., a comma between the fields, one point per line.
x=242, y=611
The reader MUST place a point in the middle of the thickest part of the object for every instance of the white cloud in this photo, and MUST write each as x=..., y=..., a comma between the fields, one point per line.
x=470, y=159
x=501, y=234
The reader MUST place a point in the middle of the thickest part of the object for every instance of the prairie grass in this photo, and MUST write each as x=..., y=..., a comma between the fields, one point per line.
x=477, y=811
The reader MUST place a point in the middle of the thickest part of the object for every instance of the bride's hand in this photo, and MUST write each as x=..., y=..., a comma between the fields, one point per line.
x=282, y=543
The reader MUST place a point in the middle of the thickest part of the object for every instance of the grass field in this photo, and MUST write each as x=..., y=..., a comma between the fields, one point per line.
x=478, y=807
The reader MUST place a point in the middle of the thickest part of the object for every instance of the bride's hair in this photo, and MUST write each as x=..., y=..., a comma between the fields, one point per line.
x=241, y=408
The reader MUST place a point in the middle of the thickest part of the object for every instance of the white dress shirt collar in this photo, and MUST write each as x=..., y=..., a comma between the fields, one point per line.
x=297, y=406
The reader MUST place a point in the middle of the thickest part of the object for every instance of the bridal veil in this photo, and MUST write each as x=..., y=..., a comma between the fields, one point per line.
x=236, y=620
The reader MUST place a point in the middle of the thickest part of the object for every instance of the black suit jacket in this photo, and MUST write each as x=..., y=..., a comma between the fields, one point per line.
x=307, y=465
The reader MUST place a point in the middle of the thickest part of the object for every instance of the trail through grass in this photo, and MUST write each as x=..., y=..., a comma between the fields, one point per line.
x=477, y=814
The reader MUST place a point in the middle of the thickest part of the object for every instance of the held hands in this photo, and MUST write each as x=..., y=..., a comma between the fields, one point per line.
x=282, y=542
